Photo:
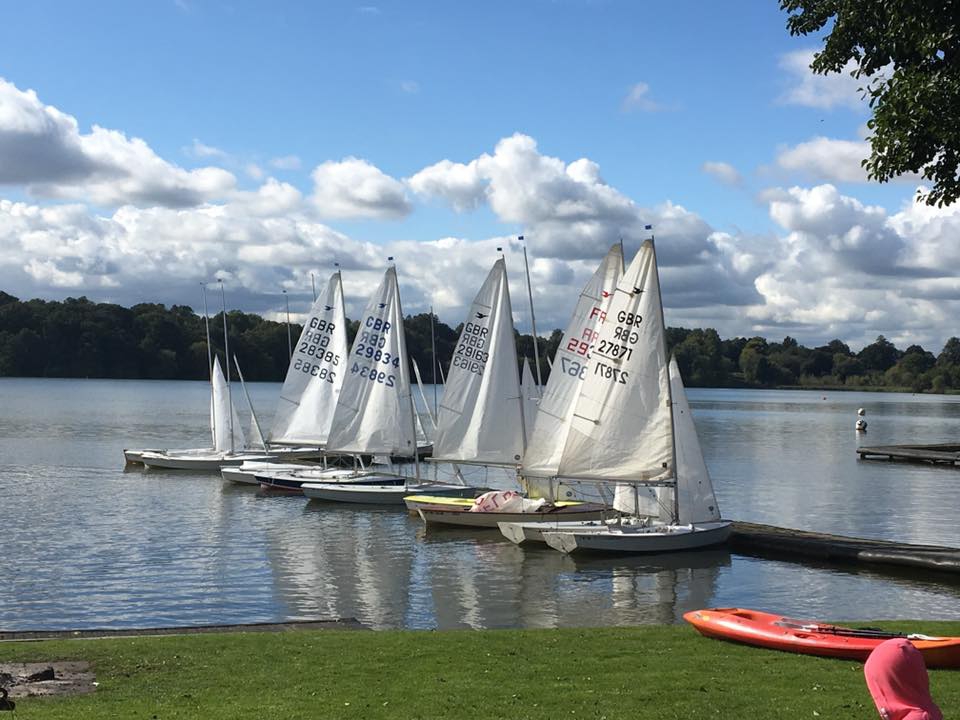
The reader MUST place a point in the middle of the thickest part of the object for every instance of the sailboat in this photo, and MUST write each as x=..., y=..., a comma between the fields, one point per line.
x=481, y=417
x=541, y=461
x=229, y=442
x=309, y=394
x=375, y=414
x=632, y=426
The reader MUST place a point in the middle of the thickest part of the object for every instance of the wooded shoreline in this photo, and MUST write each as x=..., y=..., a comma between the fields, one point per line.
x=77, y=338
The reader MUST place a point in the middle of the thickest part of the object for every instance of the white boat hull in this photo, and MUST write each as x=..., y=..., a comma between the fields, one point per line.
x=197, y=460
x=248, y=472
x=378, y=494
x=135, y=456
x=653, y=539
x=294, y=481
x=532, y=532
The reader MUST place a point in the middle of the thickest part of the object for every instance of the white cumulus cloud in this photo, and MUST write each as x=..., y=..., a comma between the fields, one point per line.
x=353, y=188
x=43, y=150
x=820, y=91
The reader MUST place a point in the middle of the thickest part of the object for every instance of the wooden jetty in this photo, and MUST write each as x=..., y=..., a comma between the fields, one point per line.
x=945, y=454
x=754, y=539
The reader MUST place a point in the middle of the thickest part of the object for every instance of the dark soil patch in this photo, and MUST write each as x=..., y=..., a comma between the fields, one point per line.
x=67, y=677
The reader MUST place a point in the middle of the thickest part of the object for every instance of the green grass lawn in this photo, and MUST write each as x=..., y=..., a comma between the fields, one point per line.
x=642, y=672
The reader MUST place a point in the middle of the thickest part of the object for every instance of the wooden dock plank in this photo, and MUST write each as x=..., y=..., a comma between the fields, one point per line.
x=937, y=454
x=754, y=538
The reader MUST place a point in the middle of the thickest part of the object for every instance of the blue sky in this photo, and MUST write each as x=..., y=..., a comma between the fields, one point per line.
x=703, y=107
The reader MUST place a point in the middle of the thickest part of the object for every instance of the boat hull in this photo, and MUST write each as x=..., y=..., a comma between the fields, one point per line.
x=441, y=511
x=532, y=532
x=246, y=474
x=135, y=456
x=371, y=494
x=292, y=482
x=205, y=461
x=776, y=632
x=639, y=540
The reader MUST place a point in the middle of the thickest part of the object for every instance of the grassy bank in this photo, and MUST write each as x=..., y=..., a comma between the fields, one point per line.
x=648, y=672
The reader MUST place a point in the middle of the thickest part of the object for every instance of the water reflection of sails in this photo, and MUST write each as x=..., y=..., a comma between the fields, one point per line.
x=345, y=563
x=647, y=590
x=483, y=582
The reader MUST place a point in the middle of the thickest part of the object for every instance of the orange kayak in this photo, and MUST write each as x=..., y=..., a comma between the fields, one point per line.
x=813, y=638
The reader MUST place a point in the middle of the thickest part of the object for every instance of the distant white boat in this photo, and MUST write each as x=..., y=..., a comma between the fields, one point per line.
x=632, y=427
x=229, y=442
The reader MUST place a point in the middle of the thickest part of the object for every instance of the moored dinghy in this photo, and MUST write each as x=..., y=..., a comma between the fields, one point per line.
x=541, y=461
x=315, y=374
x=632, y=426
x=230, y=445
x=481, y=417
x=374, y=414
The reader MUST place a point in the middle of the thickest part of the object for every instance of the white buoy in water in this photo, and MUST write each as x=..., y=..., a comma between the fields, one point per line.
x=861, y=423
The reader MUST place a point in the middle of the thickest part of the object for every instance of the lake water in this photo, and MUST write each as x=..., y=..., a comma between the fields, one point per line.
x=86, y=544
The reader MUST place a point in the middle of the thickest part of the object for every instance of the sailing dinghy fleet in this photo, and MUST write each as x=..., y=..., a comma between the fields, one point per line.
x=607, y=460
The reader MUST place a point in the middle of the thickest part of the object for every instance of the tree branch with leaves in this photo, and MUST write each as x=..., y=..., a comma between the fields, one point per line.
x=908, y=54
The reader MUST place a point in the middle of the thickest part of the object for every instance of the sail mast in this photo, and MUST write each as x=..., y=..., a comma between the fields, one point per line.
x=253, y=414
x=666, y=356
x=289, y=339
x=226, y=350
x=206, y=323
x=406, y=359
x=533, y=320
x=523, y=422
x=433, y=357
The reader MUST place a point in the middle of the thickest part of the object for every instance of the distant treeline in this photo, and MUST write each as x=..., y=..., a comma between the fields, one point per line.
x=79, y=338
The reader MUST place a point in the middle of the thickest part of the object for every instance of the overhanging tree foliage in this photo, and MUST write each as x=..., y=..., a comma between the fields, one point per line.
x=908, y=53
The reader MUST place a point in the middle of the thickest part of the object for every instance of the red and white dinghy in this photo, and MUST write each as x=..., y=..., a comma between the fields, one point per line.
x=809, y=637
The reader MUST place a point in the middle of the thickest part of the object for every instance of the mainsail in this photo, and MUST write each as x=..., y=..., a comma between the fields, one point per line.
x=315, y=375
x=224, y=415
x=375, y=411
x=480, y=419
x=555, y=411
x=621, y=425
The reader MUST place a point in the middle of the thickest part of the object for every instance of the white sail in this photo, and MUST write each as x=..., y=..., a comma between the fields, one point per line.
x=223, y=410
x=480, y=418
x=375, y=411
x=530, y=392
x=621, y=426
x=549, y=435
x=315, y=375
x=696, y=500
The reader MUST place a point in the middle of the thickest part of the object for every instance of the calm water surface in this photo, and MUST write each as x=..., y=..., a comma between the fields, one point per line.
x=84, y=543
